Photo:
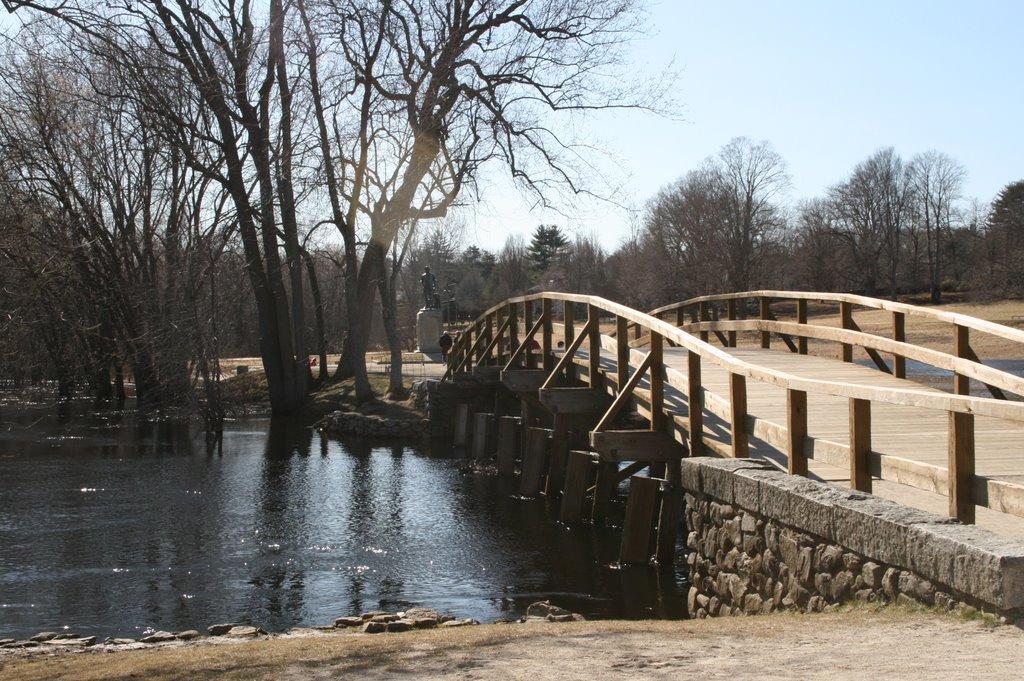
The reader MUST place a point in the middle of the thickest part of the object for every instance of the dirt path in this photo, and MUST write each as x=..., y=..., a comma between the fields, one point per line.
x=891, y=644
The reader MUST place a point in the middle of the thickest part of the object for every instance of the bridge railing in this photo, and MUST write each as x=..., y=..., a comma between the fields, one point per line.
x=758, y=314
x=494, y=340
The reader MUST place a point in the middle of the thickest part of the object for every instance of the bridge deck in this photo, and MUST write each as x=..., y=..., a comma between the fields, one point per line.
x=911, y=442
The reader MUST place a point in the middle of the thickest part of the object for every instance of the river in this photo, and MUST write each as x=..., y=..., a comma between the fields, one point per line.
x=113, y=525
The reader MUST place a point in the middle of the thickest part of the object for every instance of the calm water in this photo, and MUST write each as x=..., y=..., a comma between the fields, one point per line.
x=110, y=525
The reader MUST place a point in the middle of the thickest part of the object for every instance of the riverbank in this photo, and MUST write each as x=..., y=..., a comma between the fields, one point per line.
x=890, y=642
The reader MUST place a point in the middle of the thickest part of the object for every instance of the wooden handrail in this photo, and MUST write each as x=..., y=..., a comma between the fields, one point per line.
x=963, y=366
x=871, y=343
x=911, y=397
x=864, y=301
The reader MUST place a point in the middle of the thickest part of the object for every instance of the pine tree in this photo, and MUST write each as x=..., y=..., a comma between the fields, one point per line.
x=545, y=246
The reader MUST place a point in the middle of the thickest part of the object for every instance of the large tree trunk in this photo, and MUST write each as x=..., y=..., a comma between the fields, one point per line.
x=318, y=312
x=388, y=303
x=360, y=316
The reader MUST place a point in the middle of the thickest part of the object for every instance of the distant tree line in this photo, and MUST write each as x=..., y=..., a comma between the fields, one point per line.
x=893, y=227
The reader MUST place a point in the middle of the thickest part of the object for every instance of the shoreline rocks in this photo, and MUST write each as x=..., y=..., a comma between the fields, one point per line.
x=375, y=622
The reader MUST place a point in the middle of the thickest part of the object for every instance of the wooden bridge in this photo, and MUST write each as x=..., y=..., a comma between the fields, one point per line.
x=788, y=376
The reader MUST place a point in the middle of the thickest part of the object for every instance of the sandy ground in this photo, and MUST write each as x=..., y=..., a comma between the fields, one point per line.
x=893, y=644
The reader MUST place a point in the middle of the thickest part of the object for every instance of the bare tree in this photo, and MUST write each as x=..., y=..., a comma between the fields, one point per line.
x=870, y=213
x=126, y=219
x=936, y=180
x=753, y=181
x=511, y=273
x=685, y=222
x=440, y=90
x=406, y=100
x=817, y=253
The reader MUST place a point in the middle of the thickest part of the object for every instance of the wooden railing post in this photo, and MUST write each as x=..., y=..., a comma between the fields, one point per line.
x=860, y=444
x=499, y=349
x=489, y=331
x=801, y=318
x=846, y=321
x=621, y=352
x=731, y=315
x=569, y=322
x=680, y=316
x=547, y=359
x=738, y=415
x=466, y=355
x=765, y=310
x=705, y=316
x=899, y=333
x=695, y=405
x=594, y=349
x=796, y=422
x=961, y=349
x=478, y=346
x=960, y=475
x=657, y=379
x=513, y=328
x=531, y=359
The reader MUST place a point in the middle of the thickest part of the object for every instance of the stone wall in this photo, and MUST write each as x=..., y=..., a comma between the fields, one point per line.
x=762, y=540
x=439, y=401
x=369, y=425
x=436, y=400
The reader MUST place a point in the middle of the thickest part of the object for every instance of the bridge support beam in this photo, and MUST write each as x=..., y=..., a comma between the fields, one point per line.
x=635, y=445
x=523, y=380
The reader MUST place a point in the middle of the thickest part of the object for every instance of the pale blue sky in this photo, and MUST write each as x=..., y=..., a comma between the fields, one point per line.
x=827, y=84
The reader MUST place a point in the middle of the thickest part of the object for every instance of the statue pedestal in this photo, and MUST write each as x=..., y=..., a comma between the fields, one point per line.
x=429, y=326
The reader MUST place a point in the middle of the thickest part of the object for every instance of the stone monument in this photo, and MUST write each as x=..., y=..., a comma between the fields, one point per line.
x=429, y=320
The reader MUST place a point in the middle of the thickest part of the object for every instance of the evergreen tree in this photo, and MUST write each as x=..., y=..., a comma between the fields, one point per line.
x=545, y=246
x=1006, y=231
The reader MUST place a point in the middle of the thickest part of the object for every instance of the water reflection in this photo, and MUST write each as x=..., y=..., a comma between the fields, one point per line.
x=110, y=524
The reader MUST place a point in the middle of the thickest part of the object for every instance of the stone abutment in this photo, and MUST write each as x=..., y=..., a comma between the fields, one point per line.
x=761, y=540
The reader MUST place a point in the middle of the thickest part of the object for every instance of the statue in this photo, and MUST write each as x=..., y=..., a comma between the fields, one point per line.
x=429, y=282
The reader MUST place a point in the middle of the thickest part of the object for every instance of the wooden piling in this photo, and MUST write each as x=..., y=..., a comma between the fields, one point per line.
x=461, y=424
x=508, y=441
x=577, y=481
x=670, y=514
x=534, y=461
x=637, y=528
x=558, y=456
x=483, y=424
x=607, y=480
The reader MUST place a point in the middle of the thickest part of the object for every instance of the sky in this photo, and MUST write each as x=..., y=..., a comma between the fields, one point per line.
x=827, y=83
